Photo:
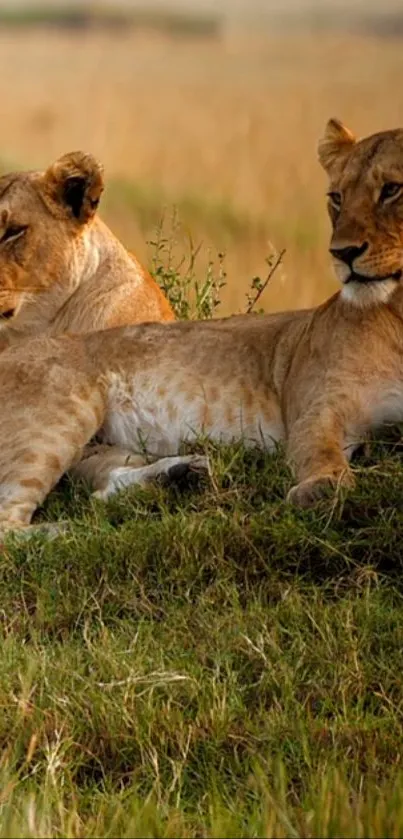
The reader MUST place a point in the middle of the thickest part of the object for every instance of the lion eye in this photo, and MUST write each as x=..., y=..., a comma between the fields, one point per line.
x=13, y=231
x=335, y=199
x=390, y=190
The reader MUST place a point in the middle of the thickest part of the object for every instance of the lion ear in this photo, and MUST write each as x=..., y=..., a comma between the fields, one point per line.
x=74, y=185
x=336, y=141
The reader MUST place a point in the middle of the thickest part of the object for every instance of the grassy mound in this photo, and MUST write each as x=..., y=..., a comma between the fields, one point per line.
x=205, y=661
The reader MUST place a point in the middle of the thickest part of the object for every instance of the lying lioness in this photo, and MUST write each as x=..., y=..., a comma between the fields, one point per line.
x=61, y=268
x=319, y=378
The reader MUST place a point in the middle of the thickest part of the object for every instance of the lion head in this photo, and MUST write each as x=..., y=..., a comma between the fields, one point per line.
x=43, y=219
x=365, y=202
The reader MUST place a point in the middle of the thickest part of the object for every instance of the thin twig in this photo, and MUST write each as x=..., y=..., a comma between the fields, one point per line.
x=260, y=290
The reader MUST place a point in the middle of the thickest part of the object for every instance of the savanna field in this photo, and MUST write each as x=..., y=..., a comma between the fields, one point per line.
x=203, y=660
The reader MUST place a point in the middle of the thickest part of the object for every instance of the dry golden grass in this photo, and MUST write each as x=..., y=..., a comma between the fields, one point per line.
x=229, y=128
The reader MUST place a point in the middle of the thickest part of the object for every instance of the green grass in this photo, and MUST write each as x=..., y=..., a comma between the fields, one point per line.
x=79, y=16
x=205, y=661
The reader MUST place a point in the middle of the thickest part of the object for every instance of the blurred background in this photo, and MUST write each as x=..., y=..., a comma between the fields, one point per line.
x=213, y=107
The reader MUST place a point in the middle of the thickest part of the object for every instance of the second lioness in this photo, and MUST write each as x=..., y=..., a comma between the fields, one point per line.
x=61, y=268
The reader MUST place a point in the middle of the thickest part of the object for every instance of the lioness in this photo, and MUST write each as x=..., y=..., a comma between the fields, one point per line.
x=319, y=378
x=61, y=268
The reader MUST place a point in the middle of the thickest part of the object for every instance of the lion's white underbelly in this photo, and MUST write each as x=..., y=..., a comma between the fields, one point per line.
x=141, y=420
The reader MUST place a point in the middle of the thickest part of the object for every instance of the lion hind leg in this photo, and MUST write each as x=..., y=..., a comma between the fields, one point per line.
x=166, y=469
x=99, y=461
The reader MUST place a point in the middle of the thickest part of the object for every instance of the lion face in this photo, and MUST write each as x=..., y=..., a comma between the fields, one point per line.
x=44, y=219
x=365, y=202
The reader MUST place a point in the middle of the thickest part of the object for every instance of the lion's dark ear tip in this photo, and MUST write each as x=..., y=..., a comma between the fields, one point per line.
x=336, y=131
x=334, y=124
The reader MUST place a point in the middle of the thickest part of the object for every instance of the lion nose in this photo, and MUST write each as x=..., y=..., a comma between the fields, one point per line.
x=350, y=253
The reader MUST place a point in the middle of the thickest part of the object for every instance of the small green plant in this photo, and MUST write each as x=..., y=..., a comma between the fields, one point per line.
x=190, y=297
x=257, y=285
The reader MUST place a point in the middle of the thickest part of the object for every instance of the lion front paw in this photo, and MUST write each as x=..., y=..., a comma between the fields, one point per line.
x=309, y=492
